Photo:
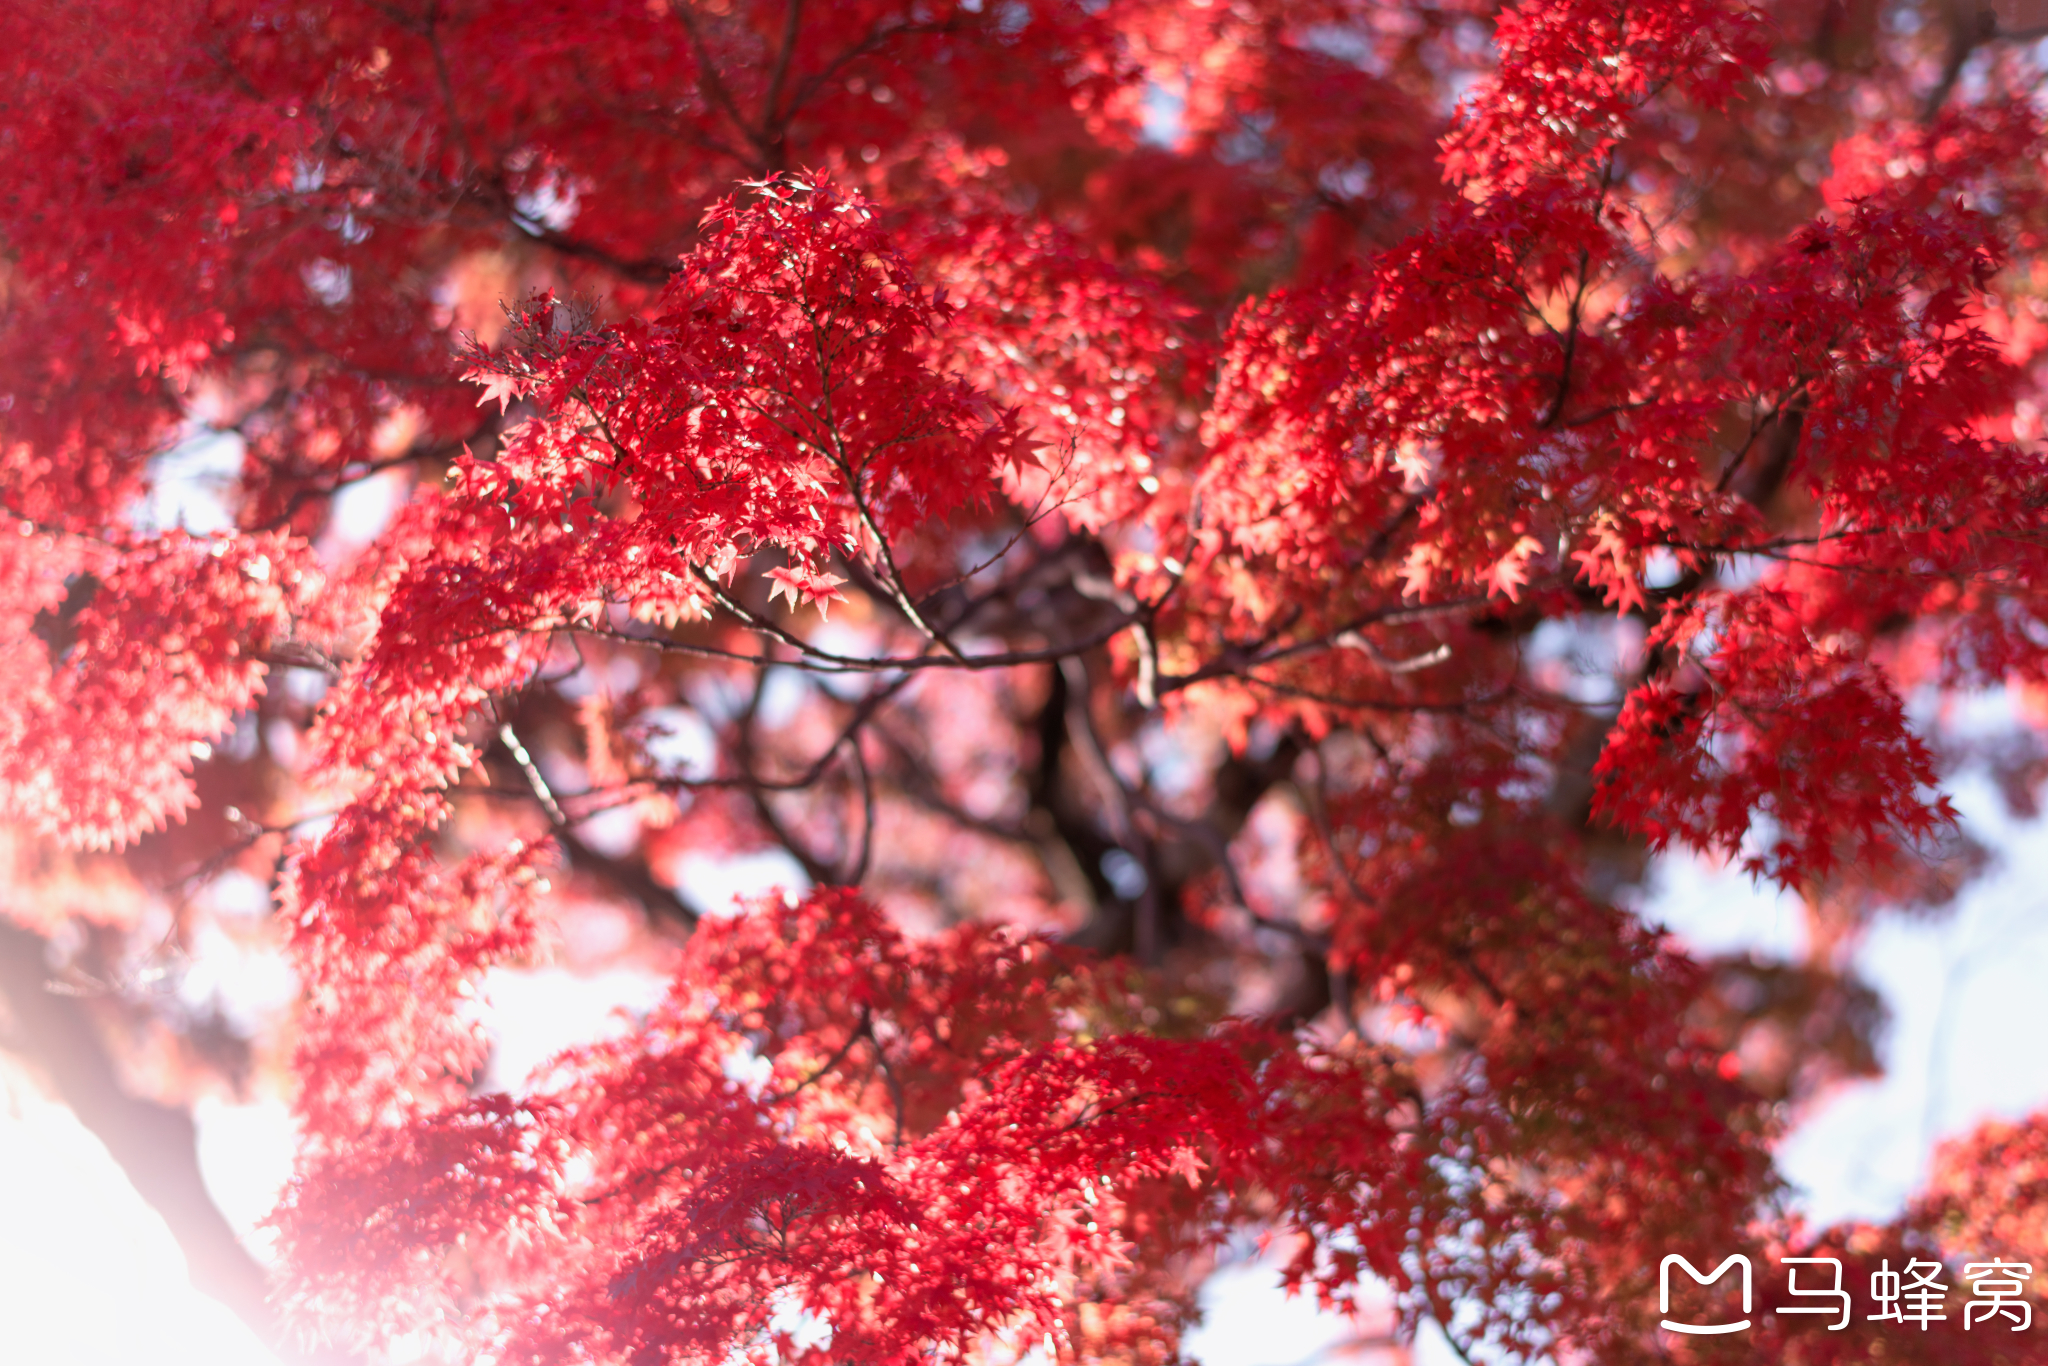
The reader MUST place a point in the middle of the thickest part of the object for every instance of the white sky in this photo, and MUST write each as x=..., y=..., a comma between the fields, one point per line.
x=89, y=1276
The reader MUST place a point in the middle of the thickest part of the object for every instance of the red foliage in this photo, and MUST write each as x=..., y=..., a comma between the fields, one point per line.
x=1221, y=435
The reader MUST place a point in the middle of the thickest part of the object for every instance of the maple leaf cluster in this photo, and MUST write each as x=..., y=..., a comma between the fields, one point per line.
x=1209, y=543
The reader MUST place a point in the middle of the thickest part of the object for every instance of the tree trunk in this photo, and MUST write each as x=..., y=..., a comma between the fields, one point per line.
x=156, y=1145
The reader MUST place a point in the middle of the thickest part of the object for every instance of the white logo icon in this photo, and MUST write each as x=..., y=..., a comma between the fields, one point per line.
x=1664, y=1292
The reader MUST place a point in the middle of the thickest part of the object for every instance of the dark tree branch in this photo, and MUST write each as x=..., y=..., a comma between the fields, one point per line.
x=628, y=876
x=1970, y=26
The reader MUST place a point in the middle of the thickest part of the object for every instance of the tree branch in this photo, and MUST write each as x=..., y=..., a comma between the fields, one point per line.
x=155, y=1145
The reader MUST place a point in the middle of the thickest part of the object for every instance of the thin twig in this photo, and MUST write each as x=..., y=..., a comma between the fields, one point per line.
x=867, y=805
x=533, y=775
x=854, y=1036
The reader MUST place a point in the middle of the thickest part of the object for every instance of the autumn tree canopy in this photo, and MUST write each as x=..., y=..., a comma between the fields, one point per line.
x=1213, y=538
